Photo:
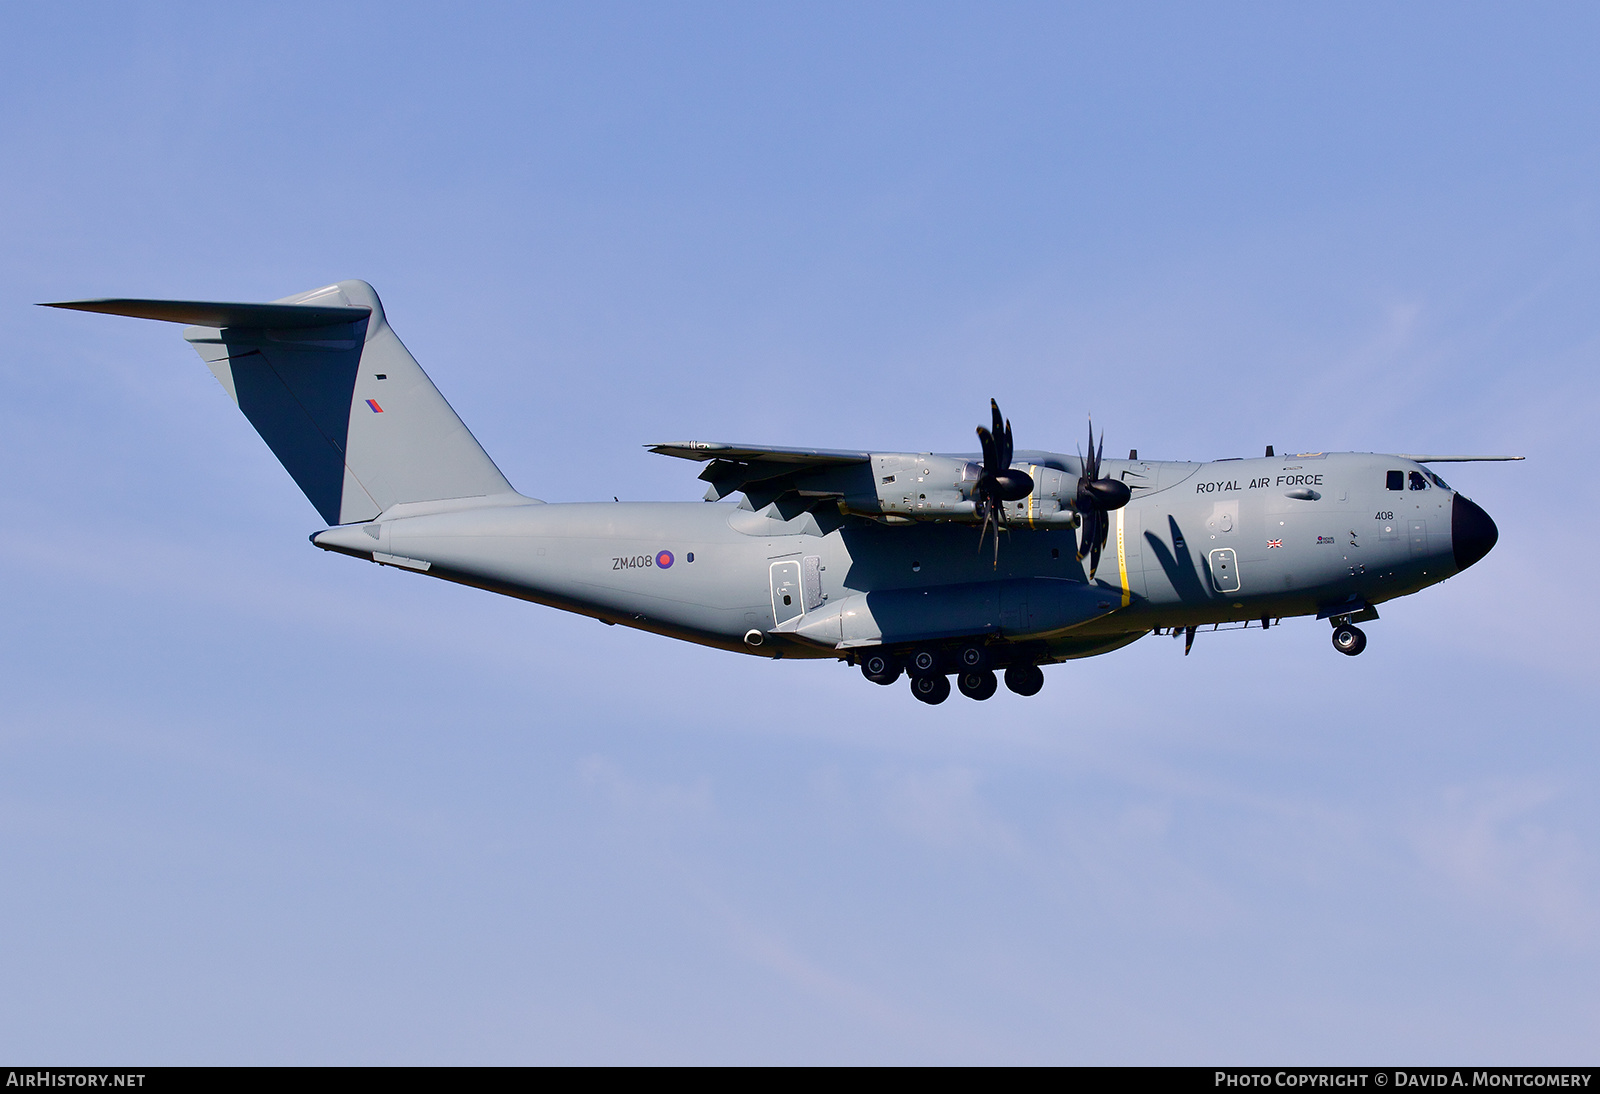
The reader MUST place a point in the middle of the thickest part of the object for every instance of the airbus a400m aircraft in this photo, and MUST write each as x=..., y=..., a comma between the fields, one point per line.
x=900, y=562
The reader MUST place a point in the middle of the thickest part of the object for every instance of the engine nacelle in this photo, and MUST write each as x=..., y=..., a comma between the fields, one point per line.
x=911, y=486
x=917, y=486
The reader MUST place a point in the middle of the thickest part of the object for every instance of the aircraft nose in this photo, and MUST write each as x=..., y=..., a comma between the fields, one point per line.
x=1472, y=533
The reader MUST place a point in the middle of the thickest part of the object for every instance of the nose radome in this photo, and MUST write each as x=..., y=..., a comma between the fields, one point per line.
x=1472, y=532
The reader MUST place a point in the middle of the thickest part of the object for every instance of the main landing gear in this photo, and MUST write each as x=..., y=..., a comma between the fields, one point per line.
x=1025, y=679
x=932, y=690
x=929, y=667
x=880, y=668
x=977, y=683
x=1349, y=639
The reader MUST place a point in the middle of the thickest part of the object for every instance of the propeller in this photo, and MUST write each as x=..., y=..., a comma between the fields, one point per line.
x=1096, y=498
x=999, y=482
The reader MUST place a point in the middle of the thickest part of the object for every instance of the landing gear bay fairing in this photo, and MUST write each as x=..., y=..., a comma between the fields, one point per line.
x=975, y=567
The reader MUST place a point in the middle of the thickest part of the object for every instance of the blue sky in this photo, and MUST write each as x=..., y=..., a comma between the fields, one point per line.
x=263, y=804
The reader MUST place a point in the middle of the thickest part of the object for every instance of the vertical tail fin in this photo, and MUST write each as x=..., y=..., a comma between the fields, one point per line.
x=339, y=400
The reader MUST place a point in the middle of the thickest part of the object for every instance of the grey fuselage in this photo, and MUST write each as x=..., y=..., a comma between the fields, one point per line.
x=869, y=555
x=1199, y=543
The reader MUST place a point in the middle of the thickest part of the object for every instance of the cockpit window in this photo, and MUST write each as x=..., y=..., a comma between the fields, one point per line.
x=1437, y=481
x=1417, y=481
x=1397, y=480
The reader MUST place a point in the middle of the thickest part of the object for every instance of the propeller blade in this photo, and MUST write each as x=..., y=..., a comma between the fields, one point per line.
x=999, y=482
x=1096, y=527
x=995, y=517
x=998, y=509
x=1093, y=533
x=1095, y=494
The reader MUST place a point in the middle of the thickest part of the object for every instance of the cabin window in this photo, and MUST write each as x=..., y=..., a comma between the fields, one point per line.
x=1437, y=481
x=1397, y=480
x=1417, y=481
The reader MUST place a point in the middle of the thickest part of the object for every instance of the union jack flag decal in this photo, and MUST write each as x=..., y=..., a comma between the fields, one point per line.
x=1274, y=543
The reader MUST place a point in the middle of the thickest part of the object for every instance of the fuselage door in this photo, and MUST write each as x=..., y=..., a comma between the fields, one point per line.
x=1225, y=570
x=786, y=602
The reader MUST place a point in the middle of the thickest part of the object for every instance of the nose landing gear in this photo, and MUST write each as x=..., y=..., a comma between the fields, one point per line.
x=1349, y=639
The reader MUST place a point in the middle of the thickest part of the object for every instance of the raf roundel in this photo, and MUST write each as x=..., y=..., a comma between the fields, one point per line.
x=664, y=560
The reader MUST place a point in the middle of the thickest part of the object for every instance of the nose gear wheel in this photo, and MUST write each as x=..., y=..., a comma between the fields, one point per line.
x=1349, y=640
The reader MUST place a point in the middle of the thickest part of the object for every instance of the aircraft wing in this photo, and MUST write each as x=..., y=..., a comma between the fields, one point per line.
x=756, y=453
x=766, y=473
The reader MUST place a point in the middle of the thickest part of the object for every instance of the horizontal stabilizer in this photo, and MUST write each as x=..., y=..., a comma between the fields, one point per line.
x=203, y=313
